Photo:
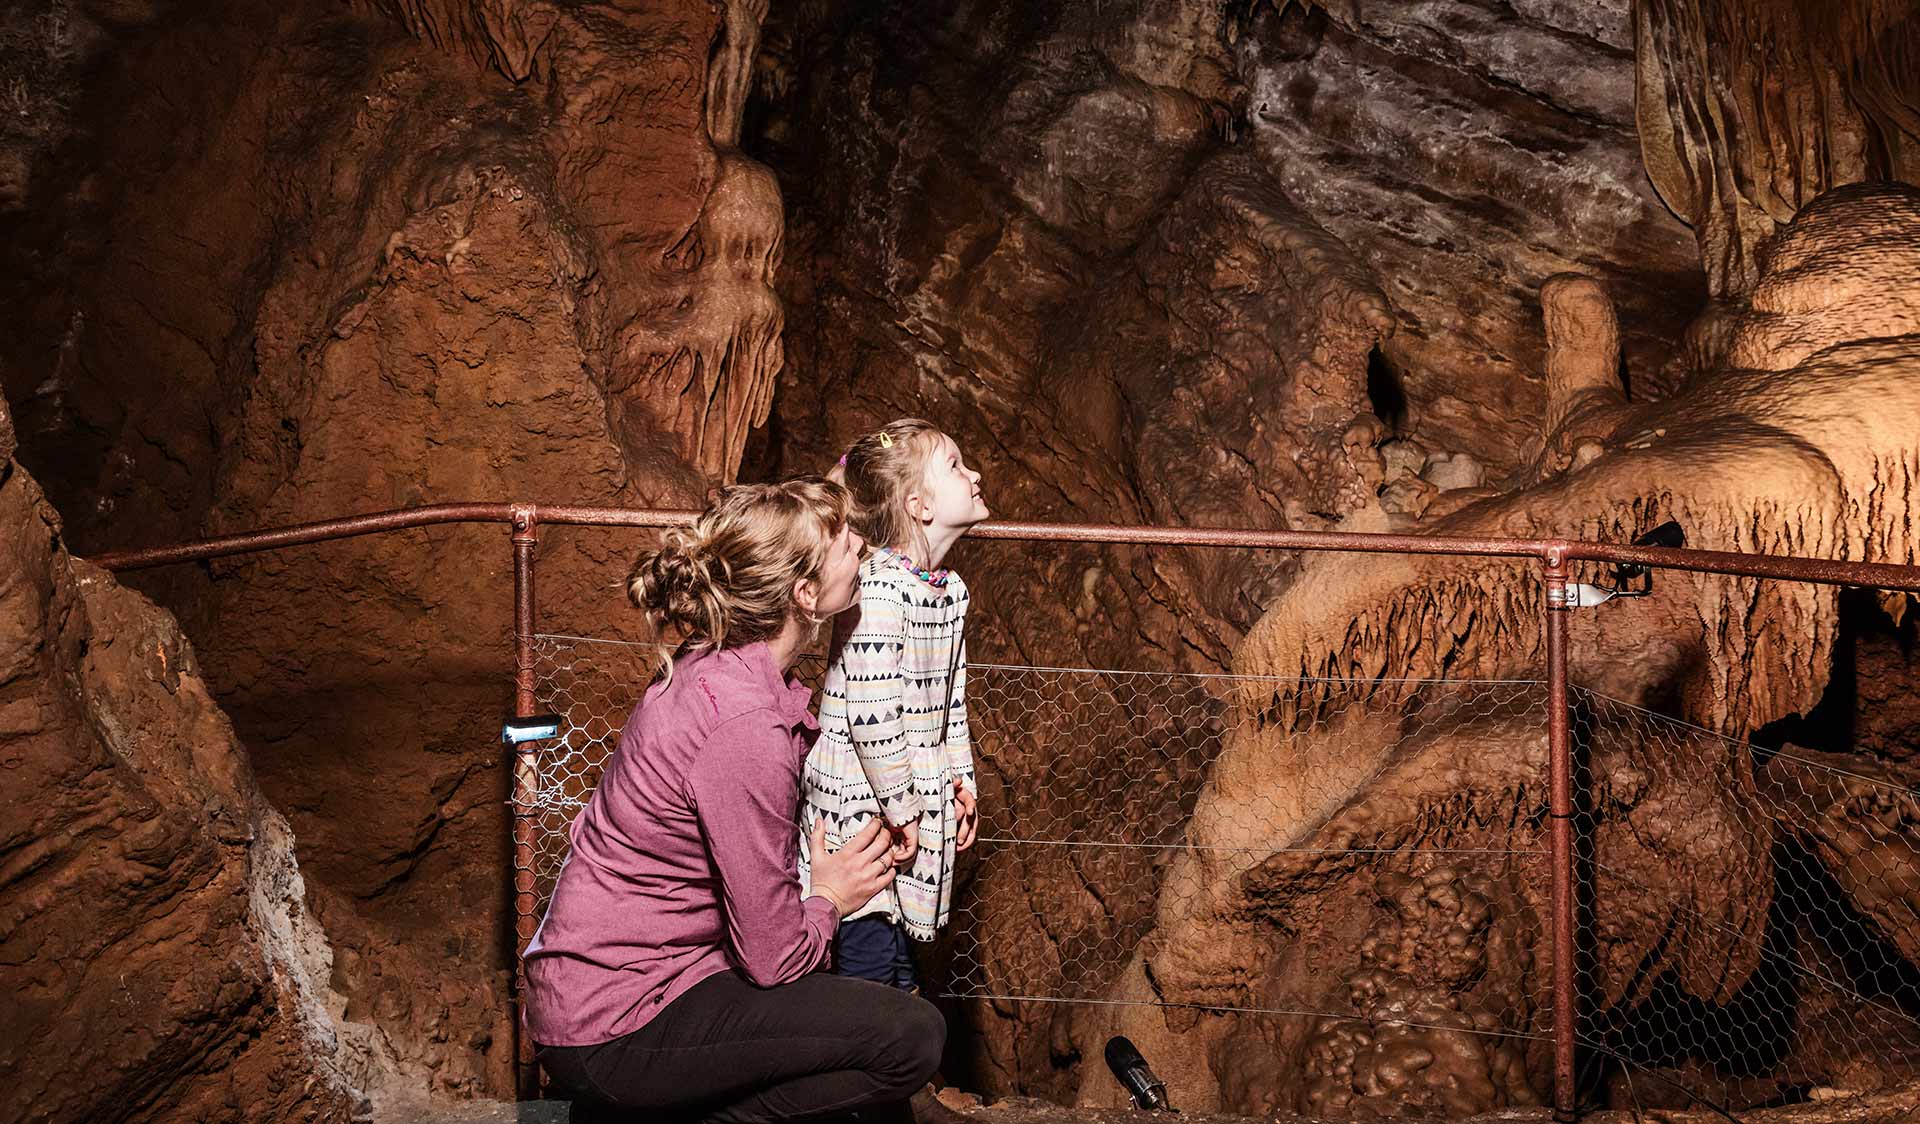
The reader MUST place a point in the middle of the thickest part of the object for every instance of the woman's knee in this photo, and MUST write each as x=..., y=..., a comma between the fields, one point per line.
x=917, y=1036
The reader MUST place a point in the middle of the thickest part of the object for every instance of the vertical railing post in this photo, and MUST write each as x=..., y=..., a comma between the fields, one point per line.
x=1560, y=796
x=526, y=536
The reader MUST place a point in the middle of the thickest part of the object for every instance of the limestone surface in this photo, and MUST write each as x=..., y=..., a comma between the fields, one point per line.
x=158, y=959
x=1796, y=436
x=338, y=258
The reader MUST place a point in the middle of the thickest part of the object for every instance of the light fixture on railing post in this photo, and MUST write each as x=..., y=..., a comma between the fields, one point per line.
x=1580, y=595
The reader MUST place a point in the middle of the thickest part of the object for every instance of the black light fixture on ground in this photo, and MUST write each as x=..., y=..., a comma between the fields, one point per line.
x=1147, y=1091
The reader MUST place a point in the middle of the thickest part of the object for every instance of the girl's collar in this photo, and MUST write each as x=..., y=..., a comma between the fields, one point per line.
x=935, y=578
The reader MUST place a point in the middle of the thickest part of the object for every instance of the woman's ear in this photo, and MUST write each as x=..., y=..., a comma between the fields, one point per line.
x=806, y=596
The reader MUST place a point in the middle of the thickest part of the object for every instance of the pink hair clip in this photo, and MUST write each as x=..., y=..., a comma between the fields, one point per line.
x=843, y=460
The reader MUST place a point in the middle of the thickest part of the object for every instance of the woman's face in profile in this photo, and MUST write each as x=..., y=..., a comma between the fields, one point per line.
x=840, y=575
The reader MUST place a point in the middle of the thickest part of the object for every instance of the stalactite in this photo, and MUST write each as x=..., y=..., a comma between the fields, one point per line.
x=1749, y=110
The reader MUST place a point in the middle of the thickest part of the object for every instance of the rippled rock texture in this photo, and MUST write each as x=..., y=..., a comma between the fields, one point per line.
x=158, y=960
x=1749, y=110
x=1800, y=441
x=324, y=259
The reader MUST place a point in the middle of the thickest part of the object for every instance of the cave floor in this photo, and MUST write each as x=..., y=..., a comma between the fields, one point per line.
x=1897, y=1107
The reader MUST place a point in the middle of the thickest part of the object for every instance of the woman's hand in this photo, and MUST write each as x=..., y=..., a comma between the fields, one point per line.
x=966, y=816
x=851, y=876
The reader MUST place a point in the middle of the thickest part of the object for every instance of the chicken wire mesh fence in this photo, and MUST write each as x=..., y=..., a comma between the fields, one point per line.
x=1090, y=781
x=1747, y=914
x=1746, y=917
x=1101, y=774
x=1165, y=840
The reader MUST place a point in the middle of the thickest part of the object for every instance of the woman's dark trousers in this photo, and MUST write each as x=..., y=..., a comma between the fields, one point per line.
x=728, y=1052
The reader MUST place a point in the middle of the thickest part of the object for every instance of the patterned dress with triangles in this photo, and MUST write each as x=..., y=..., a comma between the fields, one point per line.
x=881, y=709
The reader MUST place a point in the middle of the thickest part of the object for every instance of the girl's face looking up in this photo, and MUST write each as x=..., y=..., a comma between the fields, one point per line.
x=951, y=490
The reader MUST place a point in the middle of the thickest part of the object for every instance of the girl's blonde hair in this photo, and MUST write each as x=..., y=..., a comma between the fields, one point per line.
x=728, y=580
x=881, y=469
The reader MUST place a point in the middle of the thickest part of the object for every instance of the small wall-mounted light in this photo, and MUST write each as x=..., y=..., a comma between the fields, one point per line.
x=1580, y=595
x=530, y=729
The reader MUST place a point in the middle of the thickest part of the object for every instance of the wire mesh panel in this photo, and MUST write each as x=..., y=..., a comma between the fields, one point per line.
x=591, y=685
x=1352, y=899
x=1751, y=914
x=1383, y=855
x=1088, y=779
x=1098, y=775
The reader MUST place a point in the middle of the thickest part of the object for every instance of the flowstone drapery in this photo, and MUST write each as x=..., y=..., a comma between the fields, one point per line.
x=1796, y=435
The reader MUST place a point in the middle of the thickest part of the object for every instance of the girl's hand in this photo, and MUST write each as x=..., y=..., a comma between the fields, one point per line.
x=967, y=817
x=906, y=843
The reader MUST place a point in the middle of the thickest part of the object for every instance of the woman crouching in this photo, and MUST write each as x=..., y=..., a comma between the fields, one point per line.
x=675, y=970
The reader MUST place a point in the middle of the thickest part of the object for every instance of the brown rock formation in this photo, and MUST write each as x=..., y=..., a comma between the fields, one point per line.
x=157, y=959
x=1583, y=346
x=1859, y=817
x=1819, y=408
x=1138, y=259
x=1466, y=151
x=1749, y=110
x=1432, y=994
x=517, y=260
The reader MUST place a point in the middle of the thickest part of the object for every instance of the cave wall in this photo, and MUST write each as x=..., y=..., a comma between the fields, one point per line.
x=302, y=260
x=1164, y=262
x=1466, y=151
x=1271, y=265
x=1747, y=111
x=158, y=957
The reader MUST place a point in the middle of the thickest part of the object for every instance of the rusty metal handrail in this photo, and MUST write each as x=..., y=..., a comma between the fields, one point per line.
x=1554, y=556
x=1792, y=568
x=378, y=522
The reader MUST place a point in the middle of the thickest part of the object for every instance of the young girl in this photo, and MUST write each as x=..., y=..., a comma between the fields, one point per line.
x=893, y=743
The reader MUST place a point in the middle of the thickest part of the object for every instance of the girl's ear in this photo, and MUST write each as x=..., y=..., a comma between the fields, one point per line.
x=918, y=508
